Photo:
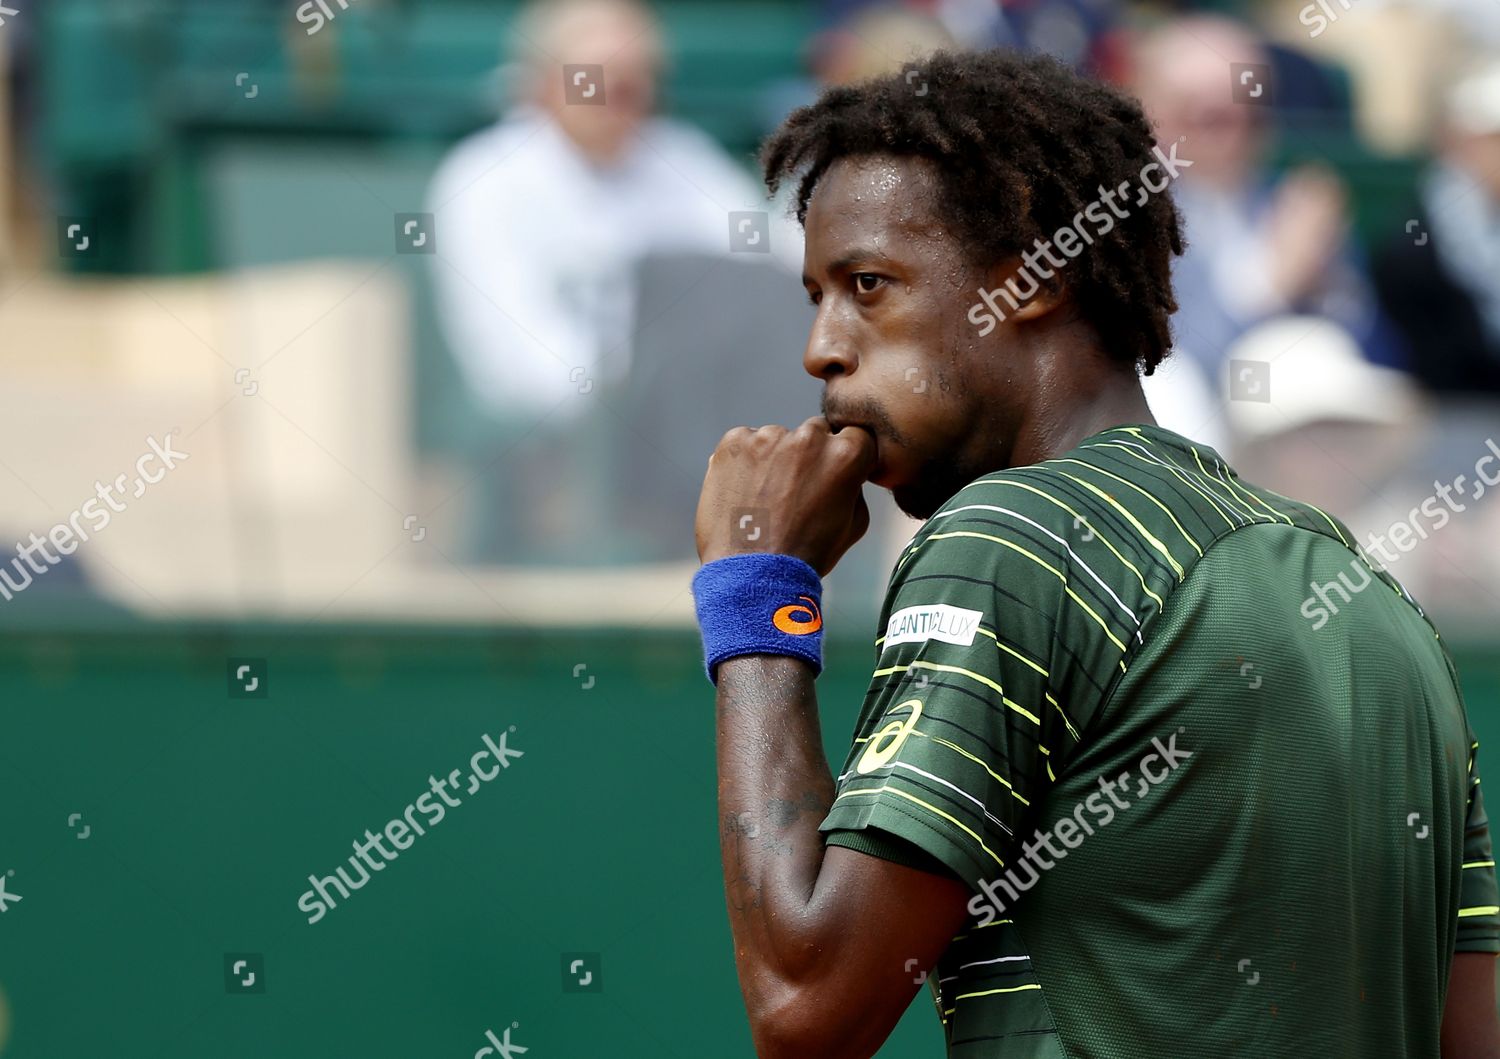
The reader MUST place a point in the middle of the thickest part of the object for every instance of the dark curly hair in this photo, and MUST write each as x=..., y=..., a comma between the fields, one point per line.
x=1021, y=146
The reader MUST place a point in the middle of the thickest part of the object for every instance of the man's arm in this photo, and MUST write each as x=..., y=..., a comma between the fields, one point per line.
x=1471, y=1027
x=830, y=944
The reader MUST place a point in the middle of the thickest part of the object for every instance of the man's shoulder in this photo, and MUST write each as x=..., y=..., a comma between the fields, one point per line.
x=1031, y=496
x=1123, y=516
x=1008, y=540
x=1095, y=540
x=975, y=527
x=1109, y=505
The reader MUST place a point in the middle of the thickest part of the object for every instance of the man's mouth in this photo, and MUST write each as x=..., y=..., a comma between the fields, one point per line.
x=837, y=425
x=840, y=424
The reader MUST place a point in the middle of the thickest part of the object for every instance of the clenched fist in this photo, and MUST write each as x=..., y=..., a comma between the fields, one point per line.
x=794, y=492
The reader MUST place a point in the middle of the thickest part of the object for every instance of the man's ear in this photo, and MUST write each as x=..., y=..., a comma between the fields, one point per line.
x=1022, y=294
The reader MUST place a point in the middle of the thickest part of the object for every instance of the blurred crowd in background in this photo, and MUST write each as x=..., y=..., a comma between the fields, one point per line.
x=485, y=282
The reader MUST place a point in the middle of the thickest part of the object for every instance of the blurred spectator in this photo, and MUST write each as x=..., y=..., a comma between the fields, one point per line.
x=1323, y=421
x=860, y=40
x=1440, y=279
x=1477, y=20
x=1257, y=248
x=1078, y=32
x=874, y=40
x=541, y=218
x=1392, y=55
x=1081, y=33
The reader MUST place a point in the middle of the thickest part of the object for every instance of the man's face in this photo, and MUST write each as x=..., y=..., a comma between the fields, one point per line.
x=1184, y=84
x=891, y=339
x=617, y=38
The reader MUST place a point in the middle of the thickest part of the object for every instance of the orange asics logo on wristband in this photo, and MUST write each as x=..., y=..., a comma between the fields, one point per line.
x=785, y=620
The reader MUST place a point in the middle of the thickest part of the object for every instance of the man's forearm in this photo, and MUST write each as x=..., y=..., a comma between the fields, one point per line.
x=774, y=790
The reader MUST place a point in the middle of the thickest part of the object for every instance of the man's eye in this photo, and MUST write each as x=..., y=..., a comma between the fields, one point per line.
x=815, y=296
x=866, y=282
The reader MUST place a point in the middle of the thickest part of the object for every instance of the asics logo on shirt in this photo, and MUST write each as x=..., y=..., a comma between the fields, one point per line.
x=885, y=744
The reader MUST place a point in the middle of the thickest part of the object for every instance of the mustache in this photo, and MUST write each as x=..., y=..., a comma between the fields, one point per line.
x=866, y=413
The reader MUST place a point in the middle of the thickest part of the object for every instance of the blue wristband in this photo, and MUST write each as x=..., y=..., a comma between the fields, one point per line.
x=759, y=603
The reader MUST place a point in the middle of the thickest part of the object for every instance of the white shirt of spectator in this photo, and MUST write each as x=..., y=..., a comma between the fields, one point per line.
x=536, y=248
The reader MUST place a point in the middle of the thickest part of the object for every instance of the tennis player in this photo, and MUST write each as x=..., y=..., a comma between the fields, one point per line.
x=1122, y=784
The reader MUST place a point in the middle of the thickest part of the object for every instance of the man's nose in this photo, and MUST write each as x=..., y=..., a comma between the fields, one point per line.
x=830, y=347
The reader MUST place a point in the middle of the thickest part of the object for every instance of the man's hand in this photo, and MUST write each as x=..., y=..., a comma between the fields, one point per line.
x=807, y=482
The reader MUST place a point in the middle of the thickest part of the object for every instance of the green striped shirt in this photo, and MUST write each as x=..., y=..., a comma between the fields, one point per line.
x=1207, y=772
